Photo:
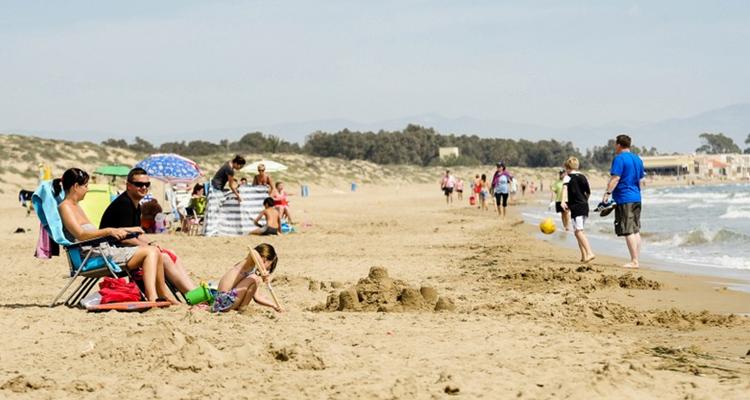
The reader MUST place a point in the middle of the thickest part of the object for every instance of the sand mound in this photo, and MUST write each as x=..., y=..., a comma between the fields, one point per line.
x=379, y=292
x=587, y=278
x=299, y=357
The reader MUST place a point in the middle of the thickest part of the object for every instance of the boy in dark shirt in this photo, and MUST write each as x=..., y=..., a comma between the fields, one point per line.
x=576, y=192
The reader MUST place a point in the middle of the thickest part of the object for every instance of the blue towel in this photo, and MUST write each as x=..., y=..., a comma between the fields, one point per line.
x=45, y=204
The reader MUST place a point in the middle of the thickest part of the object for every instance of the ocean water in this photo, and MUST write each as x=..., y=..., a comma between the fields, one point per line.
x=699, y=229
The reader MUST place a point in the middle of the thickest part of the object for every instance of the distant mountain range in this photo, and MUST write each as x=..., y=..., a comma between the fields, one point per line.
x=671, y=135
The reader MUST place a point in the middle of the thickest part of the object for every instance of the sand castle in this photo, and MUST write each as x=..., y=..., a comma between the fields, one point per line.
x=379, y=292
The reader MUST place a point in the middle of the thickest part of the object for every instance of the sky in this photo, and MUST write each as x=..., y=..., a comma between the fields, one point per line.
x=121, y=69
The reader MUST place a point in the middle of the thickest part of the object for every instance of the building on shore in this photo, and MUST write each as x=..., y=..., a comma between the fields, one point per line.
x=448, y=152
x=700, y=166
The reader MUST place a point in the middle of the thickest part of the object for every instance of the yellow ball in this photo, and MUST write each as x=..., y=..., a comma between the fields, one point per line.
x=547, y=226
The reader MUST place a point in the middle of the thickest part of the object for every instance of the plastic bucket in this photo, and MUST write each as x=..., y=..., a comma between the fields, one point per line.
x=201, y=294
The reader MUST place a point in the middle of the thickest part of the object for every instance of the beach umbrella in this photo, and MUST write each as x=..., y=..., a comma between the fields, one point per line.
x=170, y=168
x=271, y=166
x=113, y=170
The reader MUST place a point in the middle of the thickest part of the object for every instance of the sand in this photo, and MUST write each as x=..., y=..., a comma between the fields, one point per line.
x=517, y=318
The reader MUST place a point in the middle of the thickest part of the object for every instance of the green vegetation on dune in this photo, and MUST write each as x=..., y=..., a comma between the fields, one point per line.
x=22, y=156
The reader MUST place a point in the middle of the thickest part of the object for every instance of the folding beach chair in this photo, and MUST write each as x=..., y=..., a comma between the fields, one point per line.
x=178, y=197
x=83, y=261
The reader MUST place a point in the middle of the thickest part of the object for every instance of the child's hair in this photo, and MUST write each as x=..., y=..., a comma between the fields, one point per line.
x=197, y=188
x=279, y=183
x=150, y=208
x=484, y=177
x=572, y=163
x=268, y=202
x=70, y=177
x=269, y=253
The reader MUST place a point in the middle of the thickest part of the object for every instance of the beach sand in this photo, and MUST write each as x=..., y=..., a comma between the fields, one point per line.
x=529, y=320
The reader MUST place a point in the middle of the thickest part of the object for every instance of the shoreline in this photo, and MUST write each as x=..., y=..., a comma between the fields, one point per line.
x=736, y=279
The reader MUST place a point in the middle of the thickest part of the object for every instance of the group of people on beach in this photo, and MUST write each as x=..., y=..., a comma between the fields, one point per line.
x=571, y=194
x=276, y=205
x=501, y=187
x=150, y=263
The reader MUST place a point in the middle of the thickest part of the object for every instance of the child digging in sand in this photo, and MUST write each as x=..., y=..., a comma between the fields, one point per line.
x=240, y=284
x=576, y=192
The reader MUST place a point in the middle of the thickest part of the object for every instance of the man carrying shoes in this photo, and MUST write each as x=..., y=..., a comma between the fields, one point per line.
x=625, y=188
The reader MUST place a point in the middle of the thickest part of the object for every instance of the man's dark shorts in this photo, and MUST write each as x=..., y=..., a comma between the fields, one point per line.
x=558, y=207
x=447, y=190
x=627, y=219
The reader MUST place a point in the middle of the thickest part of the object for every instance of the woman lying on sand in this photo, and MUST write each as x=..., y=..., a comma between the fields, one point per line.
x=78, y=227
x=240, y=284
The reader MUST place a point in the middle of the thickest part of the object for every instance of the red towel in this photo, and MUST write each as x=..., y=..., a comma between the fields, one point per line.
x=118, y=290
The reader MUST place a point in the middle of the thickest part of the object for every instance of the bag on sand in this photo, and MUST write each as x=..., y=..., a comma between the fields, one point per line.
x=118, y=290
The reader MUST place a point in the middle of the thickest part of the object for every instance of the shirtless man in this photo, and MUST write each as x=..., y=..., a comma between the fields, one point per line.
x=273, y=219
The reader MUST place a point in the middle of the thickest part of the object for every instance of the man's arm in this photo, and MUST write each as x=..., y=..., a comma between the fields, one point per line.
x=611, y=185
x=233, y=187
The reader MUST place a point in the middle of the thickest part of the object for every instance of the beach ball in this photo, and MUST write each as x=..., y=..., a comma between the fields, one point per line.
x=547, y=226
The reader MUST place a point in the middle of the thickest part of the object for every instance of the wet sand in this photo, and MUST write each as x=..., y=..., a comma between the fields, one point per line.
x=529, y=320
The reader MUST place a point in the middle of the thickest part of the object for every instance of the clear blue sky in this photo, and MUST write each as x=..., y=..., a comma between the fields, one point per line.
x=139, y=67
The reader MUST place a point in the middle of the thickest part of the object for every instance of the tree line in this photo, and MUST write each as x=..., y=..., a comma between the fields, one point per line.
x=417, y=145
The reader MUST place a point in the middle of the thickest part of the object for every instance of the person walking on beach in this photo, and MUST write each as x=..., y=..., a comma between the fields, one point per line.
x=460, y=189
x=626, y=175
x=484, y=192
x=501, y=182
x=476, y=187
x=576, y=192
x=447, y=184
x=557, y=196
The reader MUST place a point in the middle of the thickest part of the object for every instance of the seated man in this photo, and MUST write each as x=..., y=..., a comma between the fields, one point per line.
x=273, y=219
x=125, y=211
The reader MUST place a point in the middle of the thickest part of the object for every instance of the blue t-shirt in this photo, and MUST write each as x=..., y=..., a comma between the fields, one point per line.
x=629, y=167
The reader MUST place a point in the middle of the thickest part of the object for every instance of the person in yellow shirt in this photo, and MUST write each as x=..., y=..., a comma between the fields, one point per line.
x=557, y=196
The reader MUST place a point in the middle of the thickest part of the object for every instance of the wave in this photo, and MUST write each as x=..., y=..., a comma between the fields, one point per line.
x=700, y=236
x=736, y=213
x=720, y=261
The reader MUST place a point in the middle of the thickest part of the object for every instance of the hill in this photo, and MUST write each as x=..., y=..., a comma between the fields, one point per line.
x=20, y=157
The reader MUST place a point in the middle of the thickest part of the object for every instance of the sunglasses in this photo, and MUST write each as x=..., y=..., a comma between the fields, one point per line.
x=140, y=185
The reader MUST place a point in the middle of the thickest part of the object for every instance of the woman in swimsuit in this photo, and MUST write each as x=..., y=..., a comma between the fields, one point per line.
x=263, y=179
x=78, y=227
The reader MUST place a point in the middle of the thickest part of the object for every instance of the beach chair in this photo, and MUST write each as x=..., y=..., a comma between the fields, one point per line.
x=178, y=197
x=82, y=260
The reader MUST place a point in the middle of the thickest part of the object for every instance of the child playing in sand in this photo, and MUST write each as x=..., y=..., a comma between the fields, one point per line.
x=273, y=219
x=281, y=202
x=240, y=284
x=576, y=192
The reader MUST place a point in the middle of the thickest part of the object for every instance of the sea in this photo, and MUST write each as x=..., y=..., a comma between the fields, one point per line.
x=701, y=230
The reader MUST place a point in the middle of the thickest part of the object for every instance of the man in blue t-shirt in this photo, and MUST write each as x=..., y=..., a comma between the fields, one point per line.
x=625, y=187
